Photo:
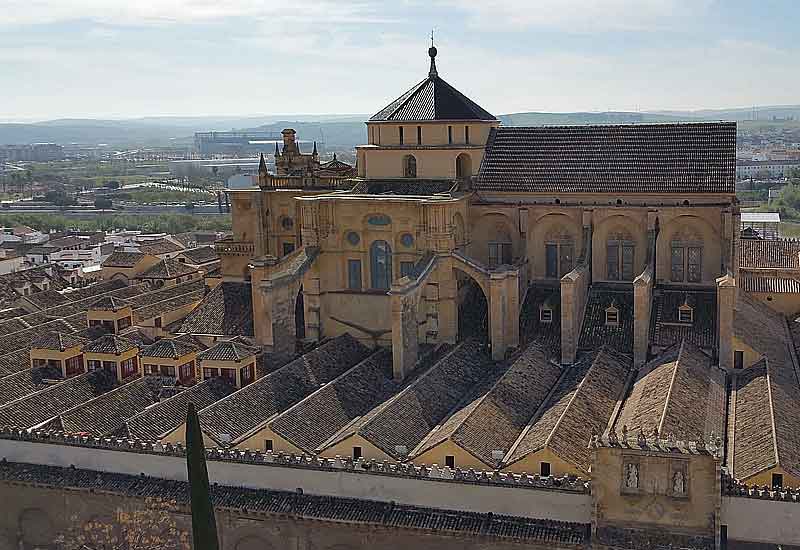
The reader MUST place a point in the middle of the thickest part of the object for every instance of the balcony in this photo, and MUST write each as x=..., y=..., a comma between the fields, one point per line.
x=228, y=247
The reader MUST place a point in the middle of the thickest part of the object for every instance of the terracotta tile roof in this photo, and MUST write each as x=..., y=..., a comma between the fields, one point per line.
x=158, y=247
x=168, y=268
x=666, y=329
x=679, y=393
x=123, y=259
x=48, y=403
x=532, y=330
x=432, y=99
x=167, y=303
x=168, y=348
x=252, y=406
x=762, y=328
x=671, y=158
x=15, y=361
x=25, y=382
x=109, y=343
x=154, y=423
x=769, y=254
x=225, y=311
x=346, y=398
x=581, y=404
x=494, y=420
x=227, y=351
x=57, y=341
x=306, y=506
x=595, y=332
x=95, y=289
x=47, y=299
x=407, y=418
x=200, y=255
x=769, y=284
x=108, y=303
x=105, y=414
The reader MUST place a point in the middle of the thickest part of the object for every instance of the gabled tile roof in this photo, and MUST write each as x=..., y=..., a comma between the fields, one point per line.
x=168, y=268
x=762, y=328
x=57, y=341
x=432, y=99
x=769, y=254
x=769, y=284
x=108, y=303
x=158, y=247
x=200, y=255
x=408, y=417
x=252, y=406
x=494, y=420
x=532, y=330
x=26, y=382
x=48, y=403
x=109, y=343
x=227, y=351
x=594, y=331
x=225, y=311
x=107, y=413
x=674, y=158
x=680, y=393
x=665, y=328
x=155, y=422
x=168, y=348
x=346, y=398
x=310, y=507
x=123, y=259
x=580, y=405
x=47, y=299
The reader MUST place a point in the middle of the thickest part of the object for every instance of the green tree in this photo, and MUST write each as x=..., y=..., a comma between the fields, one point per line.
x=103, y=203
x=204, y=524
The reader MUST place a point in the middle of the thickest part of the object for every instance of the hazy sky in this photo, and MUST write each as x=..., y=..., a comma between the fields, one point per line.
x=117, y=58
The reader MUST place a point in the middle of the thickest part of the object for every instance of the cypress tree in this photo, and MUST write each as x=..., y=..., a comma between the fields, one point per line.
x=204, y=524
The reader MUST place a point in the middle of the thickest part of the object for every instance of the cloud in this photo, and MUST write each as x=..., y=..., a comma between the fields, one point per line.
x=579, y=15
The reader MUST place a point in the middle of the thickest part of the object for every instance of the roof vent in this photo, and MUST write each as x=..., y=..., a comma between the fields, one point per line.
x=498, y=455
x=401, y=450
x=225, y=438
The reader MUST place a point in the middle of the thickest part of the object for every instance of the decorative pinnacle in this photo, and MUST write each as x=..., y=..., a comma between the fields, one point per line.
x=432, y=52
x=262, y=165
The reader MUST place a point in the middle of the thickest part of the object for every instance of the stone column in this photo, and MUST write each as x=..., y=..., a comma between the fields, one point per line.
x=726, y=305
x=642, y=305
x=447, y=302
x=498, y=306
x=405, y=337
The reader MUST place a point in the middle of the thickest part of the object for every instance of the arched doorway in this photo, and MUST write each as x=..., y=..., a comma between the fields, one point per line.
x=473, y=309
x=463, y=166
x=380, y=260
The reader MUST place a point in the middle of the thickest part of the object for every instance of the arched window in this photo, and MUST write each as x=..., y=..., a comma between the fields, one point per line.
x=380, y=258
x=500, y=247
x=410, y=166
x=463, y=166
x=559, y=253
x=620, y=251
x=686, y=258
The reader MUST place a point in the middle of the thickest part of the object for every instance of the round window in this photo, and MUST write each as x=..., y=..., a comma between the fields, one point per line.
x=407, y=239
x=287, y=223
x=353, y=238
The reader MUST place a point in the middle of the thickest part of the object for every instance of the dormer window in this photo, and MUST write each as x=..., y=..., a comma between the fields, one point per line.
x=685, y=314
x=545, y=314
x=612, y=316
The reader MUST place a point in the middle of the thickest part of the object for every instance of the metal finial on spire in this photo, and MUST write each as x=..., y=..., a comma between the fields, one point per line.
x=432, y=52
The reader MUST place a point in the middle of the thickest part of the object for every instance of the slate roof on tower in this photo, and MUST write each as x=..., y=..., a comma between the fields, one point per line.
x=432, y=99
x=628, y=158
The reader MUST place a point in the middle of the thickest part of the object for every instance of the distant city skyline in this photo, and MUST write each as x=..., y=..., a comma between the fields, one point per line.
x=93, y=59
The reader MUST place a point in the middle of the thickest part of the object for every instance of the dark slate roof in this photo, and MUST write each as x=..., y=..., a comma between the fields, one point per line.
x=595, y=332
x=494, y=420
x=48, y=403
x=242, y=412
x=636, y=158
x=532, y=331
x=680, y=393
x=107, y=413
x=432, y=99
x=200, y=255
x=227, y=351
x=769, y=254
x=158, y=247
x=581, y=404
x=408, y=418
x=57, y=341
x=307, y=507
x=155, y=422
x=108, y=303
x=404, y=186
x=169, y=268
x=666, y=330
x=26, y=382
x=225, y=311
x=309, y=423
x=123, y=259
x=168, y=348
x=109, y=343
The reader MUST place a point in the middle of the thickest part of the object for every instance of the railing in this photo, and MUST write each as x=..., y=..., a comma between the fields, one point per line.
x=234, y=248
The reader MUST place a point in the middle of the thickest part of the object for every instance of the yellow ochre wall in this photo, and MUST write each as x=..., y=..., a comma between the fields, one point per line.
x=463, y=459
